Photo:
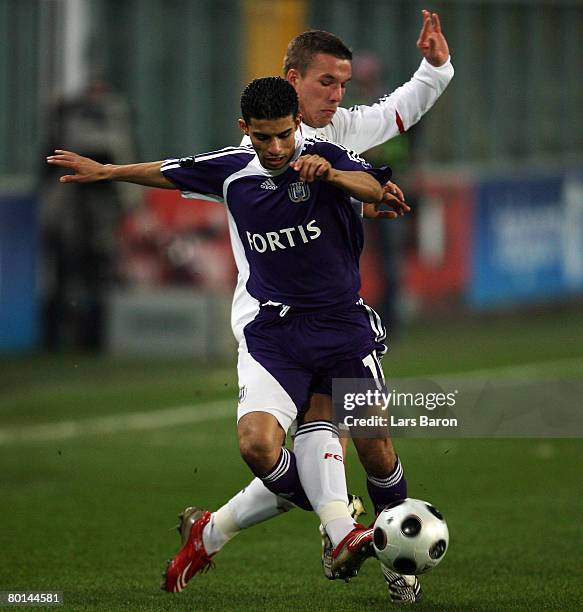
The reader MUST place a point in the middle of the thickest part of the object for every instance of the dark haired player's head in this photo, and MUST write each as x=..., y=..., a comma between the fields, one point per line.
x=302, y=49
x=270, y=118
x=318, y=65
x=268, y=98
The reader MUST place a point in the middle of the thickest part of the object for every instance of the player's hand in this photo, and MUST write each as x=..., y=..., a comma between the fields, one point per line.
x=431, y=42
x=393, y=198
x=86, y=170
x=311, y=167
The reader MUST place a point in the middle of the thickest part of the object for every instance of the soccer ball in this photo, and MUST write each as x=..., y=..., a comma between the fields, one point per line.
x=410, y=536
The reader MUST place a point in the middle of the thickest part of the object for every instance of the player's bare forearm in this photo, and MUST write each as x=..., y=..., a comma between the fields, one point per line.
x=147, y=174
x=87, y=170
x=360, y=185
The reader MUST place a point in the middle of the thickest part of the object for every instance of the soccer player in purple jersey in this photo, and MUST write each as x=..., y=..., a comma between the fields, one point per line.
x=319, y=66
x=293, y=225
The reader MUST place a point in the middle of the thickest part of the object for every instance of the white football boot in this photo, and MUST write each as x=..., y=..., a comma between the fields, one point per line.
x=403, y=590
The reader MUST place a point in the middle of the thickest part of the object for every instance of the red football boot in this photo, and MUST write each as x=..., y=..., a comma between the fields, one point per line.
x=192, y=558
x=351, y=553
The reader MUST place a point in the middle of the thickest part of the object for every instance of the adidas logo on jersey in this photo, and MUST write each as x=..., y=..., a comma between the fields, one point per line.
x=268, y=184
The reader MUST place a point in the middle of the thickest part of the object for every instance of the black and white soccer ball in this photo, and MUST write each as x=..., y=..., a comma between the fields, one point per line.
x=410, y=536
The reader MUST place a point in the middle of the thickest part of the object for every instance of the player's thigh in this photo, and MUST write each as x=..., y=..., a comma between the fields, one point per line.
x=271, y=384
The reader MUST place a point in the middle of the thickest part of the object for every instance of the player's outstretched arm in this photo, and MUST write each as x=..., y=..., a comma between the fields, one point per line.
x=362, y=127
x=87, y=170
x=358, y=184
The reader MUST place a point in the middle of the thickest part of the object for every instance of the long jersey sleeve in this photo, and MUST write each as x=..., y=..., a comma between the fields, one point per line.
x=363, y=127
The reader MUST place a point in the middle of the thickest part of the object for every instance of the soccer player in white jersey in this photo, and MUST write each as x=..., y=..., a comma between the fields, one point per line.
x=292, y=221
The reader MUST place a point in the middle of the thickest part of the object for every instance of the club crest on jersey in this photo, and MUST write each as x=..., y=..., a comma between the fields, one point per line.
x=299, y=192
x=242, y=394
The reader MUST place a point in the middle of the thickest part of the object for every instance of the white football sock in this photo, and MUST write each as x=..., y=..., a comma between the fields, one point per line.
x=253, y=505
x=219, y=530
x=321, y=468
x=338, y=529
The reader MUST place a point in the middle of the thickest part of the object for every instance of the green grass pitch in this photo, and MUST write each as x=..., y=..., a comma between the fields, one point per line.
x=92, y=515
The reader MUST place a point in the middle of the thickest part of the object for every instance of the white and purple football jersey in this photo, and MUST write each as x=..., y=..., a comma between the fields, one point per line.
x=359, y=128
x=295, y=243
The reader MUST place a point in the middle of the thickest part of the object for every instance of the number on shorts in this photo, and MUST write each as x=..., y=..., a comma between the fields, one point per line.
x=371, y=362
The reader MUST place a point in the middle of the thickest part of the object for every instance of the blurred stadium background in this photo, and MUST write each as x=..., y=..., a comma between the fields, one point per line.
x=494, y=170
x=114, y=303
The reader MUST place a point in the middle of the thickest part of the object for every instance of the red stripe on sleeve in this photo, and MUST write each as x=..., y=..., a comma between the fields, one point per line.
x=399, y=122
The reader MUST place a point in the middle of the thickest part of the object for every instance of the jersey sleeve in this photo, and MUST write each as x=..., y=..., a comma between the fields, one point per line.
x=200, y=176
x=342, y=158
x=362, y=127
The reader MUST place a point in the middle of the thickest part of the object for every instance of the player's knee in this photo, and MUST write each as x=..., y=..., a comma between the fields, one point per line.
x=259, y=452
